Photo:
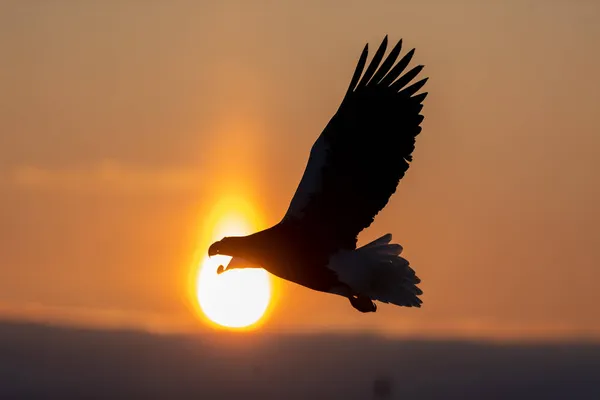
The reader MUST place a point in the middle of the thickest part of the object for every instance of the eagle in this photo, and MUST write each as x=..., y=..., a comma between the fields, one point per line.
x=354, y=167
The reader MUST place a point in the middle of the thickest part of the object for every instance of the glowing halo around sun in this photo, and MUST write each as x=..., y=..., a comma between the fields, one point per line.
x=238, y=298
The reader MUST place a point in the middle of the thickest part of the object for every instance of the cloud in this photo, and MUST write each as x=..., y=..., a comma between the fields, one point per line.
x=98, y=318
x=106, y=177
x=185, y=321
x=44, y=362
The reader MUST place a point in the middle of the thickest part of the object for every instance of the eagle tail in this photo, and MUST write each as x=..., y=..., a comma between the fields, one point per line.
x=378, y=271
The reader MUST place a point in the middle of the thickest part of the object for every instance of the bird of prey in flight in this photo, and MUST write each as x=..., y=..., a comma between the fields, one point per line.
x=354, y=167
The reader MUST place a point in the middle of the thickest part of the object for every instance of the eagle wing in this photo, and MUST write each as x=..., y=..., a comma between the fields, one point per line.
x=358, y=160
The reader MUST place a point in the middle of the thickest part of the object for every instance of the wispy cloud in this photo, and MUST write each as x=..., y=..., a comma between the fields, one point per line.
x=98, y=318
x=105, y=177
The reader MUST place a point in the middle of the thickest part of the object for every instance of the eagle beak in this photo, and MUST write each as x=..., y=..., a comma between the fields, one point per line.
x=212, y=250
x=234, y=263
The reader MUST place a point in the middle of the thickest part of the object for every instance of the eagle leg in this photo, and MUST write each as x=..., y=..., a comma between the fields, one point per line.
x=363, y=303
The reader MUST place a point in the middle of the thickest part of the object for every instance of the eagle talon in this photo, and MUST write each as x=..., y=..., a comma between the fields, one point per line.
x=363, y=304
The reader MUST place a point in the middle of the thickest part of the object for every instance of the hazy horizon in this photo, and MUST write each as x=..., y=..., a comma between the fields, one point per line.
x=43, y=362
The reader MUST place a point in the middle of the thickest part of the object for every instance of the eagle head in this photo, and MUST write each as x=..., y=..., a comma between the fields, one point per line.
x=234, y=247
x=225, y=246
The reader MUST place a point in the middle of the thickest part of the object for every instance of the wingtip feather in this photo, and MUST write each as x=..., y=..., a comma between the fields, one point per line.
x=359, y=68
x=374, y=63
x=406, y=78
x=395, y=72
x=414, y=88
x=387, y=65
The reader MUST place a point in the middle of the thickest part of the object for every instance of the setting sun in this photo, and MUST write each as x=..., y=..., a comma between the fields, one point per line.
x=237, y=298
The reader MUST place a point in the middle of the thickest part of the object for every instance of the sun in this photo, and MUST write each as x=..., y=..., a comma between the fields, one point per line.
x=238, y=298
x=235, y=299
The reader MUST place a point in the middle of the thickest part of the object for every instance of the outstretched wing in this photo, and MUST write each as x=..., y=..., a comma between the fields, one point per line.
x=363, y=152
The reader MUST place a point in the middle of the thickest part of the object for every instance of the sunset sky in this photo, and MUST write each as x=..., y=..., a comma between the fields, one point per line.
x=123, y=125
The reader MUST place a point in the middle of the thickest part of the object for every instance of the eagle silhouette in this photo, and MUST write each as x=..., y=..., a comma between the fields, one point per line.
x=354, y=167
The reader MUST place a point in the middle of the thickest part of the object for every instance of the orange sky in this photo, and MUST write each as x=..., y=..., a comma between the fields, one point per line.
x=122, y=124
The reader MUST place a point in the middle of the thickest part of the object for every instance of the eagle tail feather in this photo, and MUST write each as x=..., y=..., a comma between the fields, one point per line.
x=378, y=271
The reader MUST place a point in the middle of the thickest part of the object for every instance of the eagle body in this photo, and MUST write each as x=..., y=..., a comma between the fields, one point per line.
x=290, y=252
x=354, y=167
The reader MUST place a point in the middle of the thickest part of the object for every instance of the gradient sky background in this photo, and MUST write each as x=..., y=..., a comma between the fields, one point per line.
x=122, y=124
